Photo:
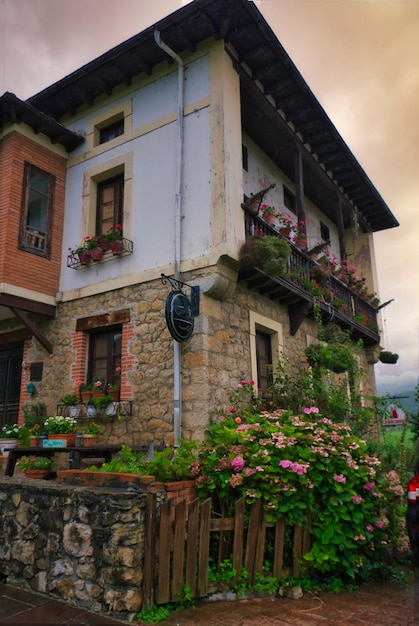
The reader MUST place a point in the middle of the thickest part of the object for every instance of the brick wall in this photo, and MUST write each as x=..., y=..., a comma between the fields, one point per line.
x=19, y=267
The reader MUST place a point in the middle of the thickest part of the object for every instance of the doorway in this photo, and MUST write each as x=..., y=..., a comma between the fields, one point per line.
x=10, y=379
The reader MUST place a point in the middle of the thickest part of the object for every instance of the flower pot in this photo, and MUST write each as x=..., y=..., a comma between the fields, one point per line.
x=114, y=393
x=70, y=438
x=116, y=247
x=84, y=257
x=270, y=218
x=37, y=473
x=91, y=410
x=89, y=441
x=33, y=442
x=285, y=232
x=73, y=410
x=6, y=443
x=96, y=253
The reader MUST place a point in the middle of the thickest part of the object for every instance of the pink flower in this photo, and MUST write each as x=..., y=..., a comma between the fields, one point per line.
x=369, y=528
x=357, y=499
x=379, y=524
x=339, y=478
x=237, y=464
x=369, y=486
x=98, y=383
x=79, y=382
x=251, y=382
x=233, y=410
x=118, y=369
x=238, y=420
x=285, y=463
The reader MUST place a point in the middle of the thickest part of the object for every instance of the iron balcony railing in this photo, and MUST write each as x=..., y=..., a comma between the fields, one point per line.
x=339, y=302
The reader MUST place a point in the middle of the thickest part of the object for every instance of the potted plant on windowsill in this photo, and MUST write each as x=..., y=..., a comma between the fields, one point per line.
x=114, y=238
x=105, y=403
x=35, y=466
x=70, y=400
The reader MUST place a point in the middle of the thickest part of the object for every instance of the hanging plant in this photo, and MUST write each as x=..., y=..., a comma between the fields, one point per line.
x=388, y=357
x=336, y=357
x=269, y=254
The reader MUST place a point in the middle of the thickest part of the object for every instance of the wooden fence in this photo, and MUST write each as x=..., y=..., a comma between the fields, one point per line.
x=177, y=547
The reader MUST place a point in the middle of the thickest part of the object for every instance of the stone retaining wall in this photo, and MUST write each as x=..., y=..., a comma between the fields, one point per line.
x=81, y=545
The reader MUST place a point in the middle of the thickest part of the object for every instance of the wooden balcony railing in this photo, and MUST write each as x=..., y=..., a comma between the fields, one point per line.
x=336, y=300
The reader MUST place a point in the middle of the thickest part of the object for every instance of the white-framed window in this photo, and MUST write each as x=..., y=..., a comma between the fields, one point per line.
x=266, y=344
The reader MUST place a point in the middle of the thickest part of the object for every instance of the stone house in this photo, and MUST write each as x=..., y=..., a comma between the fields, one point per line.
x=169, y=136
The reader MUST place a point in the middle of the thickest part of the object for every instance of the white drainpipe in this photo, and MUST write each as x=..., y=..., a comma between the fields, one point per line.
x=177, y=389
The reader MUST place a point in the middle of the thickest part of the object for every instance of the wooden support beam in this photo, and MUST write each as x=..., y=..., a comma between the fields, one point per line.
x=35, y=331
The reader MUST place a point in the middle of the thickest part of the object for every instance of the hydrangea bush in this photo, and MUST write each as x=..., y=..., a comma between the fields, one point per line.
x=301, y=464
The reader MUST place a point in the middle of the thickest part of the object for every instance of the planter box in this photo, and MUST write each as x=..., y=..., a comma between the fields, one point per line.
x=103, y=479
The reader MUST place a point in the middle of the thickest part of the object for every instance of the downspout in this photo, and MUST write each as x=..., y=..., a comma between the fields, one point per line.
x=177, y=389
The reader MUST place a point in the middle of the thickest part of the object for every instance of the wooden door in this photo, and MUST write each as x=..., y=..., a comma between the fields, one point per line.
x=10, y=378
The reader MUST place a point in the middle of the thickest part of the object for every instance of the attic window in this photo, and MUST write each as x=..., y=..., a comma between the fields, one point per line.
x=109, y=128
x=109, y=132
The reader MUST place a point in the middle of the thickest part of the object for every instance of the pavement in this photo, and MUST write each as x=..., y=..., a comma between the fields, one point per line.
x=386, y=604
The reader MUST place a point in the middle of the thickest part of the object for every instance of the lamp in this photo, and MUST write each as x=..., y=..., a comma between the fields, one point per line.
x=30, y=388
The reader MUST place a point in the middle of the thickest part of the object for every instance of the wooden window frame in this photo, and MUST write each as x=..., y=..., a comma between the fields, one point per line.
x=118, y=213
x=34, y=241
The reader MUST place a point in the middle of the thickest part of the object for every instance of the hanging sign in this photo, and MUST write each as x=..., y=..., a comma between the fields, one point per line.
x=179, y=316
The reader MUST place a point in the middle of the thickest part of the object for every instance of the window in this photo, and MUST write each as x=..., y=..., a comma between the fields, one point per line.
x=109, y=212
x=289, y=199
x=105, y=351
x=266, y=344
x=324, y=233
x=116, y=129
x=263, y=360
x=36, y=214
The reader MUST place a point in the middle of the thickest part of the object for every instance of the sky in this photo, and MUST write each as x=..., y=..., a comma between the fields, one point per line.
x=360, y=58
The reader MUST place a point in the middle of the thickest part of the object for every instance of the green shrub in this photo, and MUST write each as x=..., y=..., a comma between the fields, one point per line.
x=306, y=464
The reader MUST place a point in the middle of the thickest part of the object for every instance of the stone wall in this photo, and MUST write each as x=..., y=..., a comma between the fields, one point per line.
x=83, y=546
x=212, y=360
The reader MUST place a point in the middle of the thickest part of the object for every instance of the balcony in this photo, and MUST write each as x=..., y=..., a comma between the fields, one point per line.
x=337, y=302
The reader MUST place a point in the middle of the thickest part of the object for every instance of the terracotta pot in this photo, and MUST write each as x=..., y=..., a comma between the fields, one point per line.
x=96, y=253
x=33, y=442
x=84, y=257
x=285, y=232
x=36, y=473
x=70, y=438
x=270, y=218
x=254, y=206
x=301, y=244
x=116, y=246
x=114, y=393
x=89, y=441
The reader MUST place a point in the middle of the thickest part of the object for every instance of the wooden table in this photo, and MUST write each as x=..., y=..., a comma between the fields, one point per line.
x=76, y=454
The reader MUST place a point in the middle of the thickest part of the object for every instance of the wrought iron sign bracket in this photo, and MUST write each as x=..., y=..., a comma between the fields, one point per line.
x=178, y=285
